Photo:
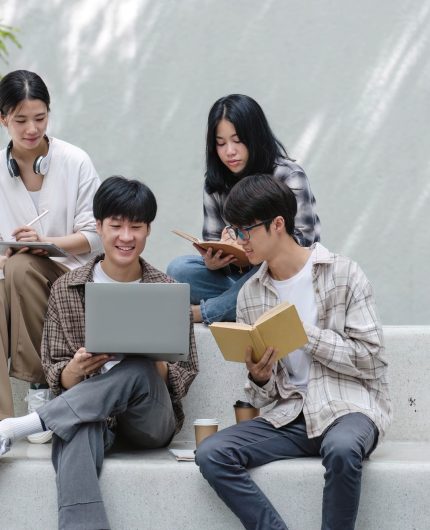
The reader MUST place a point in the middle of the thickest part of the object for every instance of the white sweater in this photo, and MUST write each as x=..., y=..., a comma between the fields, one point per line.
x=67, y=192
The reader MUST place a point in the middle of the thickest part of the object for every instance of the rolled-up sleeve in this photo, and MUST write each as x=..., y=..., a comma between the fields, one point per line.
x=183, y=373
x=55, y=350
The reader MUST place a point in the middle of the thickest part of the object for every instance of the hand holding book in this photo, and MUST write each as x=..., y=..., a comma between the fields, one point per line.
x=261, y=371
x=227, y=247
x=279, y=328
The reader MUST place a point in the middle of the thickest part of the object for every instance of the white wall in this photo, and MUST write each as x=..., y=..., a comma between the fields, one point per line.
x=345, y=86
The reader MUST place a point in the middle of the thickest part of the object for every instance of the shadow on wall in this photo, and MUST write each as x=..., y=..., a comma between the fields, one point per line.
x=344, y=86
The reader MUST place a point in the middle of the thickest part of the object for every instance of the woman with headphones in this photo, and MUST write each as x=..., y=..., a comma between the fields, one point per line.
x=38, y=175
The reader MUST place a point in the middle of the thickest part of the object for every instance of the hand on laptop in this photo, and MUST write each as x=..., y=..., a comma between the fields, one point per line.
x=162, y=369
x=82, y=364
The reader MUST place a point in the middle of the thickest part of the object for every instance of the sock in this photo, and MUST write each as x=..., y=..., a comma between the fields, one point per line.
x=15, y=428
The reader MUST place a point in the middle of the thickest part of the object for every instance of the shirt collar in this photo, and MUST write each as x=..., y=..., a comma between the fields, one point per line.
x=84, y=274
x=320, y=255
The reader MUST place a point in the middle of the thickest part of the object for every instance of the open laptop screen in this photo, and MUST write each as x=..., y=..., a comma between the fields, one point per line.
x=149, y=319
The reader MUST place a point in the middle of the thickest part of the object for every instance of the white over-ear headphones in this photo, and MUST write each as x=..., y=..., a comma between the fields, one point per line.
x=40, y=165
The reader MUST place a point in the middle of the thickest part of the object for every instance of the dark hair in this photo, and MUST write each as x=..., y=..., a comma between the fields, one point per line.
x=252, y=129
x=124, y=198
x=20, y=85
x=260, y=197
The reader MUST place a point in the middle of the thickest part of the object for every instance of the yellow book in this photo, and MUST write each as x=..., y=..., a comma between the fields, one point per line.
x=225, y=246
x=280, y=327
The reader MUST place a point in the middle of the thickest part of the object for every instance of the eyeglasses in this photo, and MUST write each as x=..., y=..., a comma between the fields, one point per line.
x=244, y=233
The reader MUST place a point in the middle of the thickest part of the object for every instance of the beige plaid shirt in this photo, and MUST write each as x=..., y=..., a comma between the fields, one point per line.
x=64, y=332
x=348, y=371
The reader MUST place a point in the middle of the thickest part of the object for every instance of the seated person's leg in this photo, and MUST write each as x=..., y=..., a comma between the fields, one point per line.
x=78, y=464
x=222, y=308
x=6, y=402
x=28, y=280
x=110, y=394
x=149, y=421
x=204, y=283
x=225, y=457
x=345, y=445
x=131, y=382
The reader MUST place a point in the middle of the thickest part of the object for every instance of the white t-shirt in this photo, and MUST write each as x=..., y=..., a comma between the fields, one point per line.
x=35, y=196
x=99, y=276
x=298, y=290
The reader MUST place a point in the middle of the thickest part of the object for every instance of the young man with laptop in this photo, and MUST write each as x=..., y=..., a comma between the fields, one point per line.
x=330, y=399
x=101, y=396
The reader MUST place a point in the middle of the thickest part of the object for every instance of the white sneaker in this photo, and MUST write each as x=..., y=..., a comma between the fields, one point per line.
x=5, y=444
x=35, y=399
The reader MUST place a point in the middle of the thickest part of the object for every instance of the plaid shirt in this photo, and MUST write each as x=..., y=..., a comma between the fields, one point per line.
x=348, y=371
x=307, y=223
x=64, y=332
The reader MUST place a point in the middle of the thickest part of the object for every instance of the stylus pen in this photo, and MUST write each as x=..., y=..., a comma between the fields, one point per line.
x=37, y=218
x=34, y=220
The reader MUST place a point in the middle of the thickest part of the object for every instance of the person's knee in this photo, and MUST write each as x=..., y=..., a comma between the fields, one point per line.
x=211, y=456
x=183, y=268
x=17, y=267
x=177, y=268
x=342, y=457
x=205, y=458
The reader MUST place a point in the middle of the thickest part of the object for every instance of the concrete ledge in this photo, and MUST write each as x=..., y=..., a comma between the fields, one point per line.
x=151, y=490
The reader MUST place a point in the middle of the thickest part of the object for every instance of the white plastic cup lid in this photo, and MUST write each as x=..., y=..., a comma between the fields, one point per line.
x=206, y=421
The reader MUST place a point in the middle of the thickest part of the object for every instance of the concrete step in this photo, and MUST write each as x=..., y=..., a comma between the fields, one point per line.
x=151, y=490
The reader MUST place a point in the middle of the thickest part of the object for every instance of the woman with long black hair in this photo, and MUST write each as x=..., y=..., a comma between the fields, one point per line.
x=239, y=143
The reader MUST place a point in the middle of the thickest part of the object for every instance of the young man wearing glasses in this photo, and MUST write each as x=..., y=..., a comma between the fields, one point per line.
x=331, y=397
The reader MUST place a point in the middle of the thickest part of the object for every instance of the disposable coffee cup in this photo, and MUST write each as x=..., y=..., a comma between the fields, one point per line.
x=203, y=428
x=245, y=411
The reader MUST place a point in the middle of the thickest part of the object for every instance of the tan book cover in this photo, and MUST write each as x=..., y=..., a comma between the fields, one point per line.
x=280, y=327
x=225, y=246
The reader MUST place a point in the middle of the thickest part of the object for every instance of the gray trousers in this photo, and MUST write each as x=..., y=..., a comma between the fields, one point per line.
x=224, y=458
x=132, y=391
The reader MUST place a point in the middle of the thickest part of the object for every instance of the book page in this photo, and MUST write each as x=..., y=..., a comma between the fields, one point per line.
x=259, y=347
x=272, y=312
x=284, y=331
x=186, y=236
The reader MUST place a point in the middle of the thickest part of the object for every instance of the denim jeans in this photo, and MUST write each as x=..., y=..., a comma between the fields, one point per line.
x=215, y=291
x=224, y=458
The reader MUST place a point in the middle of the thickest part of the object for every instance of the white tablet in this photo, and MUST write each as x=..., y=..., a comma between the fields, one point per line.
x=53, y=250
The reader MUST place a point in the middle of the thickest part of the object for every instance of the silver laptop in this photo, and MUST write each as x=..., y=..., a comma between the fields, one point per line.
x=148, y=319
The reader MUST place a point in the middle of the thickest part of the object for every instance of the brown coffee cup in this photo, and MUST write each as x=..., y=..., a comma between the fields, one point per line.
x=204, y=428
x=245, y=411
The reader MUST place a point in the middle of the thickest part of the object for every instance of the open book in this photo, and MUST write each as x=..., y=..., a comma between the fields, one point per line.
x=280, y=327
x=225, y=246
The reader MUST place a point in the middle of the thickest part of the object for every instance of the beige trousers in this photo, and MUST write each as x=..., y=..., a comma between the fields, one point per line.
x=24, y=297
